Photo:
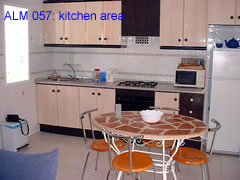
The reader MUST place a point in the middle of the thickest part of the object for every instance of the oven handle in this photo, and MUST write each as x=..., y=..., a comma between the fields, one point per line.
x=164, y=108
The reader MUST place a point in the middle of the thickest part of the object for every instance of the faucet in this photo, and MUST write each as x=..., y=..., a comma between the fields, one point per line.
x=74, y=73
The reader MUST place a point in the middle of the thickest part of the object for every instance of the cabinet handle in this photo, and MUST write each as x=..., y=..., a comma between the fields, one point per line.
x=99, y=94
x=61, y=38
x=58, y=90
x=186, y=39
x=190, y=112
x=105, y=38
x=99, y=39
x=66, y=38
x=179, y=40
x=175, y=99
x=93, y=93
x=231, y=17
x=191, y=100
x=53, y=90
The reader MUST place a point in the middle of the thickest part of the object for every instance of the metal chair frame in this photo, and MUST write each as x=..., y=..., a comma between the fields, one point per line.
x=111, y=137
x=205, y=172
x=85, y=138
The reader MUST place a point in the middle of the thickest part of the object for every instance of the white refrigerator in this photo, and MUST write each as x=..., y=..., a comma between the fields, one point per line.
x=225, y=99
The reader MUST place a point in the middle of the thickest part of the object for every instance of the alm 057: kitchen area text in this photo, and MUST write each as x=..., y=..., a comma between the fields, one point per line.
x=66, y=15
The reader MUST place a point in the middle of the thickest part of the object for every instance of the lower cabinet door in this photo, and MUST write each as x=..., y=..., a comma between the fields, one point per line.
x=106, y=100
x=68, y=106
x=88, y=101
x=47, y=104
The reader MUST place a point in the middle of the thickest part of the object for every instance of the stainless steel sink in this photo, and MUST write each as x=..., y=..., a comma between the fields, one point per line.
x=77, y=80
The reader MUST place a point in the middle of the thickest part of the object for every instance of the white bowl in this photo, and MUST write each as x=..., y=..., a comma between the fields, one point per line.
x=151, y=116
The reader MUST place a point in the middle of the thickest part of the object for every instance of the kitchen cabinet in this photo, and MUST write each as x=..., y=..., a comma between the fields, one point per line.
x=53, y=28
x=90, y=98
x=167, y=100
x=103, y=32
x=59, y=31
x=58, y=105
x=224, y=12
x=141, y=17
x=192, y=105
x=183, y=23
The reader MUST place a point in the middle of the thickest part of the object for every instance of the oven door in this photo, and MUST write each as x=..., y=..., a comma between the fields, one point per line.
x=186, y=78
x=134, y=100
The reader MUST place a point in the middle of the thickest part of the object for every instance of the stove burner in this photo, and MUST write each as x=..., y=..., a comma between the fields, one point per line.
x=146, y=84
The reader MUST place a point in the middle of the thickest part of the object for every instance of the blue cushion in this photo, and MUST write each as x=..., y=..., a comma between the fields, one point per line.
x=20, y=166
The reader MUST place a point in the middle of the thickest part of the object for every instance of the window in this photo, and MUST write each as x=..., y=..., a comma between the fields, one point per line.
x=16, y=44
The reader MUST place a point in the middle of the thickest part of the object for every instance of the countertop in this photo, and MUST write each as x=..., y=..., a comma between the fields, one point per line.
x=161, y=87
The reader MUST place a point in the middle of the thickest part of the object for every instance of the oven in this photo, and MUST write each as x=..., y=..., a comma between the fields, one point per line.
x=135, y=100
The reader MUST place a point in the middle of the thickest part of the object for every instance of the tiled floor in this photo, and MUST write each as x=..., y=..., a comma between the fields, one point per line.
x=73, y=154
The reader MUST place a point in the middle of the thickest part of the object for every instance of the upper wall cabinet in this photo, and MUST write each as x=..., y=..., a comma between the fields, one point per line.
x=224, y=12
x=103, y=32
x=183, y=23
x=64, y=30
x=141, y=17
x=59, y=31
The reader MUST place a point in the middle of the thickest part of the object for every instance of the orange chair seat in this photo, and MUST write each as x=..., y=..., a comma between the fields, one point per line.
x=140, y=162
x=168, y=143
x=189, y=155
x=101, y=145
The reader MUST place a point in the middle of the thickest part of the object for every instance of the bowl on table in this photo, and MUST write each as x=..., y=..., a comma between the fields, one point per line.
x=151, y=116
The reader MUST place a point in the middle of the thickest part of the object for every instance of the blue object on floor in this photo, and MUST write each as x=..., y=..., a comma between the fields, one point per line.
x=20, y=166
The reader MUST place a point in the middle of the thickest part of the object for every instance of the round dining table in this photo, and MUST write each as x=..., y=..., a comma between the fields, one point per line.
x=170, y=127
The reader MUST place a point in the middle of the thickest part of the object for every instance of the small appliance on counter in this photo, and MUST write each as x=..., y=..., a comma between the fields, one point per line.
x=109, y=75
x=190, y=73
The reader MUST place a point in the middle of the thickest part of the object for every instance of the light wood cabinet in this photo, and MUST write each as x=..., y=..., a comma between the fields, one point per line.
x=90, y=98
x=82, y=31
x=47, y=104
x=75, y=29
x=167, y=100
x=53, y=27
x=58, y=105
x=67, y=31
x=171, y=23
x=183, y=23
x=103, y=32
x=224, y=12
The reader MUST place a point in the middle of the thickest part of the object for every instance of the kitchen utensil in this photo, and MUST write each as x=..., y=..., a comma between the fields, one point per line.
x=219, y=45
x=233, y=43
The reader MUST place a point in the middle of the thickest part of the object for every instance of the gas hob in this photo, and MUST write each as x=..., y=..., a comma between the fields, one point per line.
x=145, y=84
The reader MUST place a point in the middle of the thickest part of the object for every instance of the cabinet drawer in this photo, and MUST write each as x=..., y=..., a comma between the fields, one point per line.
x=191, y=99
x=196, y=112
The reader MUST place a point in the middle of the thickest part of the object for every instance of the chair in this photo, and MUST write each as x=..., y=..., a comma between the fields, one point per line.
x=193, y=156
x=98, y=145
x=129, y=161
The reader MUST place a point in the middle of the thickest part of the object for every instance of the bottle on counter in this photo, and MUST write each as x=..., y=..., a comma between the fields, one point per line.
x=96, y=75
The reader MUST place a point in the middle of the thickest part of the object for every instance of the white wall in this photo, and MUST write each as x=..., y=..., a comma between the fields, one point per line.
x=20, y=98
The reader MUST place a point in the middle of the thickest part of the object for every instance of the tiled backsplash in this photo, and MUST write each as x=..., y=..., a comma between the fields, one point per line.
x=145, y=62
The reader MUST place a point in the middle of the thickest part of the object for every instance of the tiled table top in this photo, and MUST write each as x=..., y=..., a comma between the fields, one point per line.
x=170, y=127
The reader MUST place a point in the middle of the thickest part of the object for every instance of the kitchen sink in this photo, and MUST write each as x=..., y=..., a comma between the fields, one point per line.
x=77, y=80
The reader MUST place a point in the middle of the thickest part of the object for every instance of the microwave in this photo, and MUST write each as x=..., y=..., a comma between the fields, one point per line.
x=189, y=78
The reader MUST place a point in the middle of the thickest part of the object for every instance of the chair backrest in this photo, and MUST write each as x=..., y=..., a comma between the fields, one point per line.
x=90, y=121
x=130, y=140
x=214, y=130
